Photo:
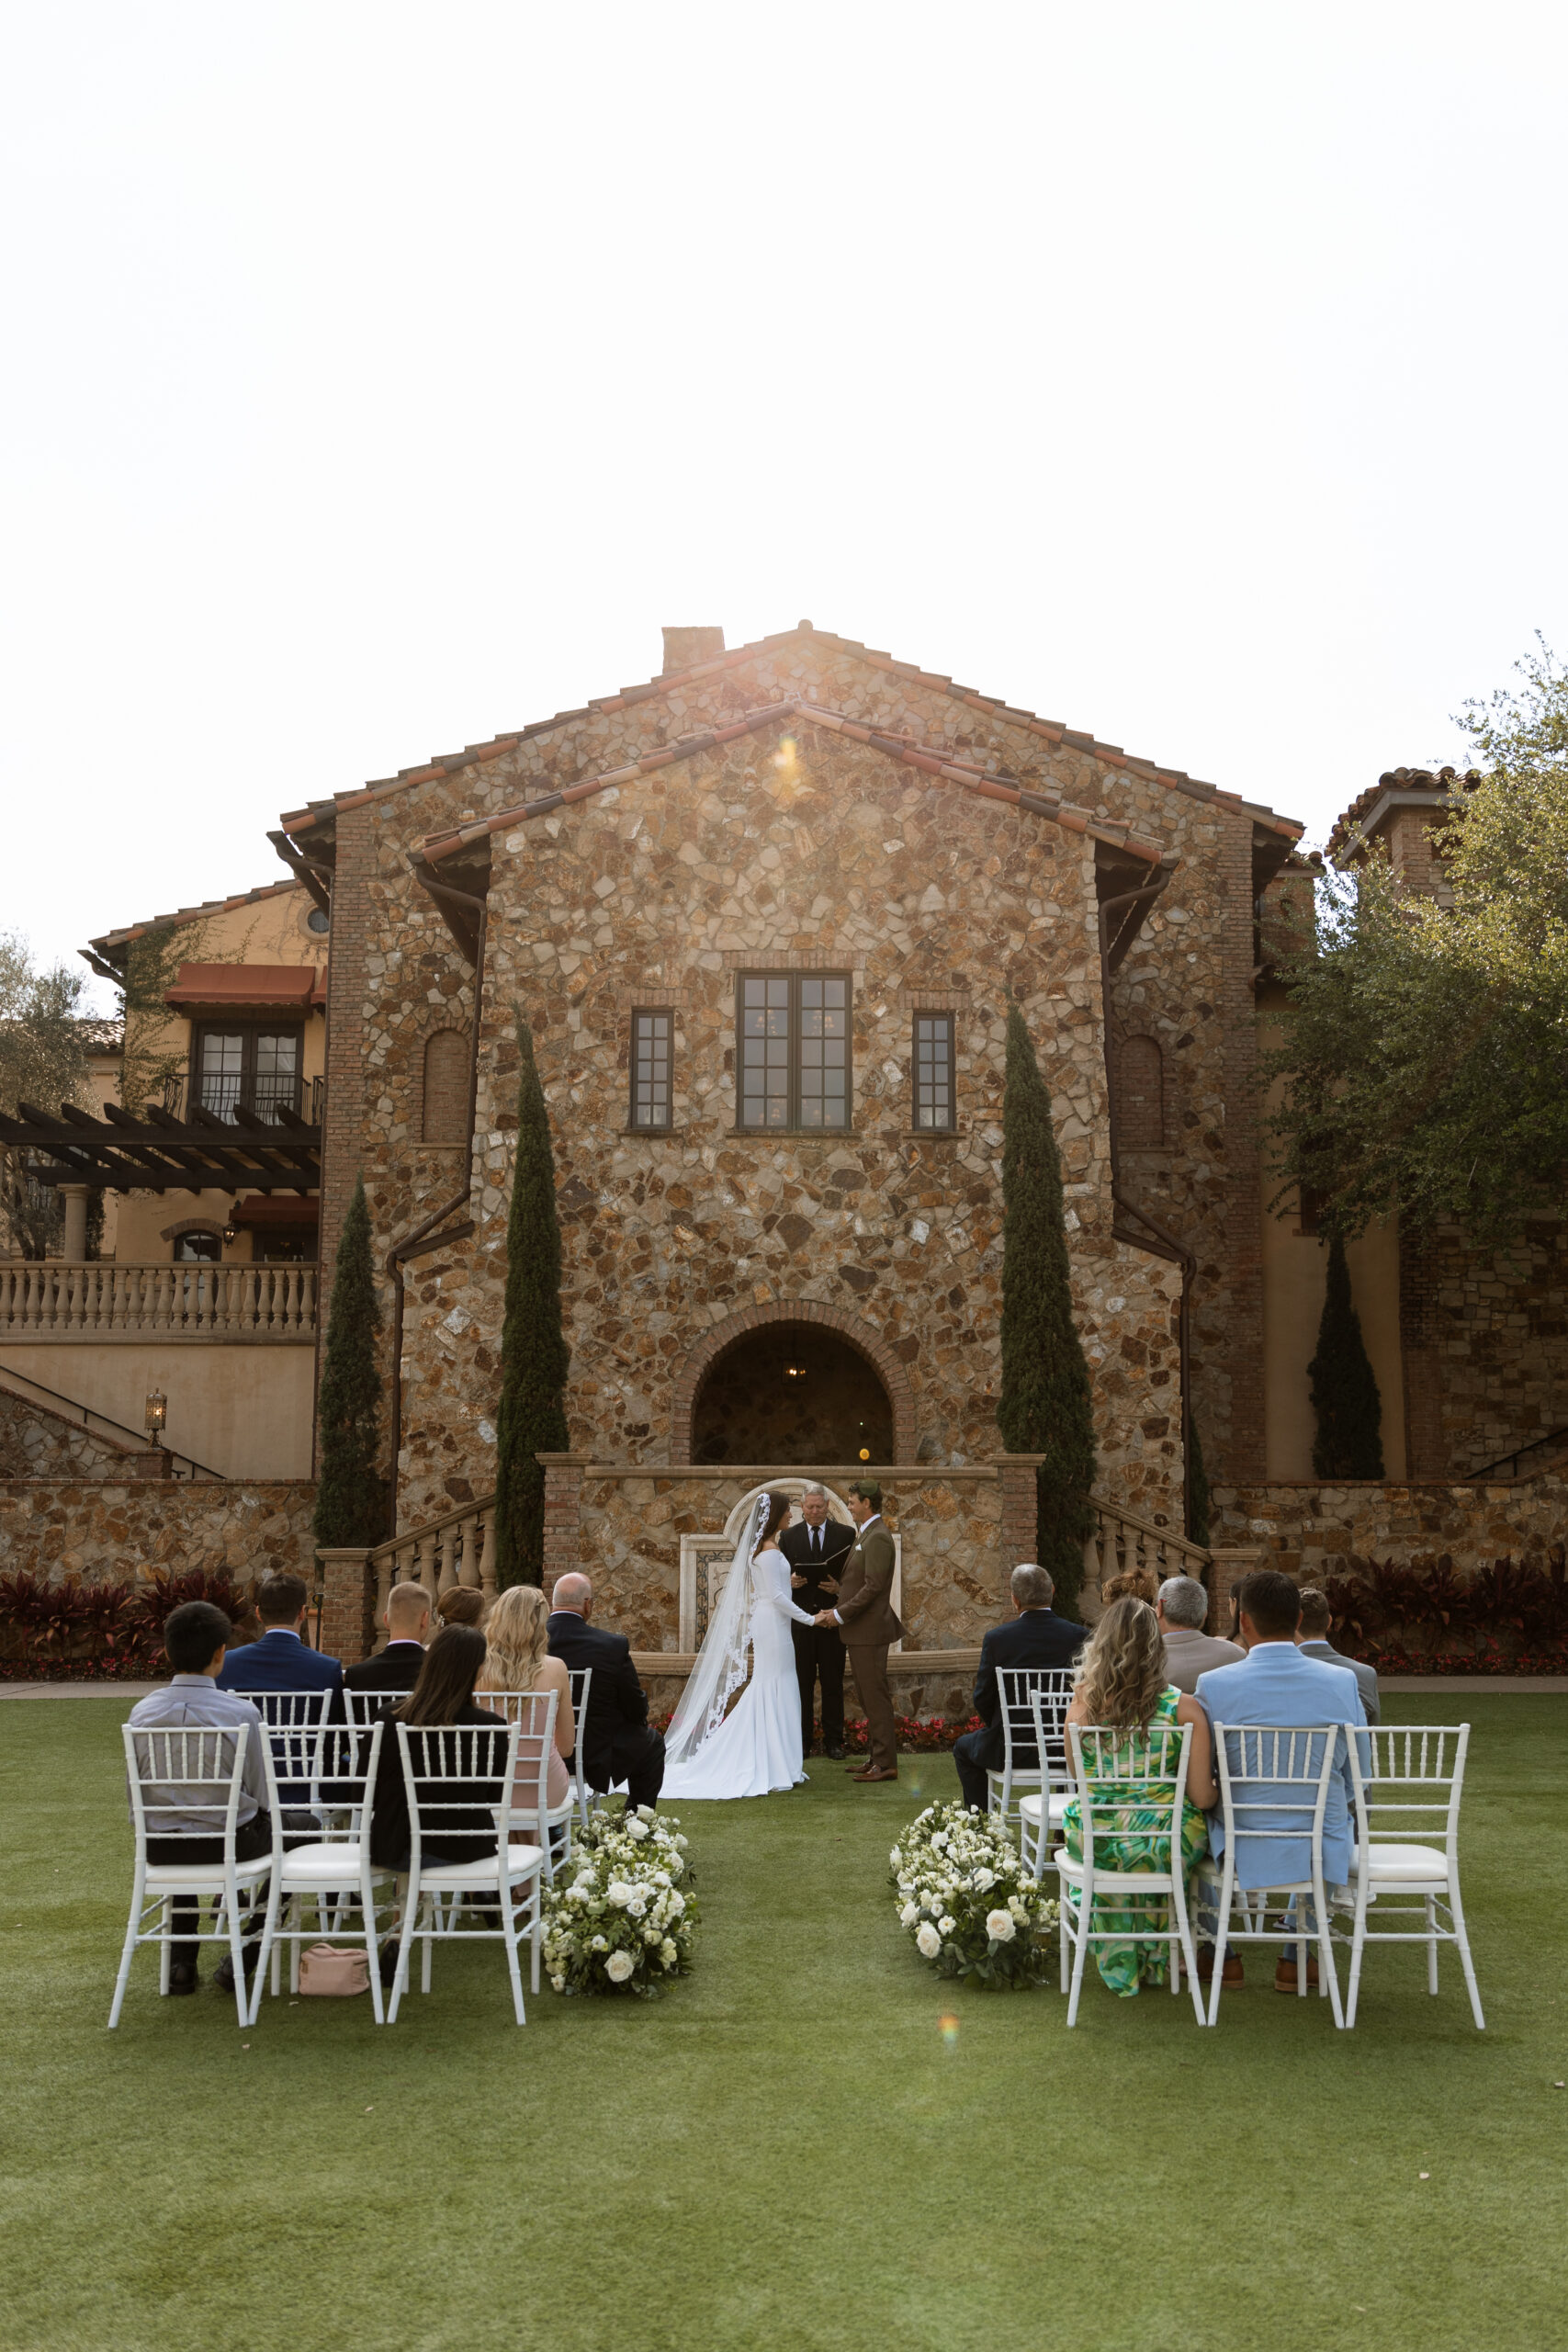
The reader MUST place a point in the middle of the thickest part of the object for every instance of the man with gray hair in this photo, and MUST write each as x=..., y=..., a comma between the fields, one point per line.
x=814, y=1547
x=1181, y=1609
x=618, y=1742
x=1034, y=1635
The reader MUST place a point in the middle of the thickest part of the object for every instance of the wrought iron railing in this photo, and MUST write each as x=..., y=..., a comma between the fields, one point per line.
x=232, y=1098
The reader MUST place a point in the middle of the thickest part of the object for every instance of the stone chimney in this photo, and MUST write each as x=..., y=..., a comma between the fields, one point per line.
x=684, y=648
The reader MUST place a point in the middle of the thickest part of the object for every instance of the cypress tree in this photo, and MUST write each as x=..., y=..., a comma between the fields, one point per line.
x=1348, y=1443
x=534, y=1353
x=1045, y=1406
x=1197, y=1486
x=351, y=1494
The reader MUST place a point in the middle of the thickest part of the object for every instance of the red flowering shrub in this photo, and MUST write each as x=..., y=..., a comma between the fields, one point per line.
x=82, y=1629
x=1424, y=1617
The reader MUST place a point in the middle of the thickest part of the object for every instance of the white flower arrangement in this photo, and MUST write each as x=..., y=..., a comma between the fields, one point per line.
x=963, y=1894
x=621, y=1923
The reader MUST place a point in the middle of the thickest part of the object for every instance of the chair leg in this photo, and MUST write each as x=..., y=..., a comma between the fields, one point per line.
x=1080, y=1943
x=372, y=1945
x=237, y=1952
x=1222, y=1930
x=165, y=1950
x=413, y=1903
x=127, y=1950
x=1358, y=1952
x=1186, y=1951
x=1456, y=1913
x=509, y=1936
x=1431, y=1945
x=1062, y=1926
x=1327, y=1974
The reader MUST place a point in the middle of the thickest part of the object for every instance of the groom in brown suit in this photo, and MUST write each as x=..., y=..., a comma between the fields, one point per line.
x=865, y=1614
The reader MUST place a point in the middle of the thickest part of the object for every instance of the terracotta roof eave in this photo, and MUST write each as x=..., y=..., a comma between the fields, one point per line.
x=132, y=932
x=1049, y=731
x=987, y=784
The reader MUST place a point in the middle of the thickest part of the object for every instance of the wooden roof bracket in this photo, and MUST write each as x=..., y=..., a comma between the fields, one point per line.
x=316, y=872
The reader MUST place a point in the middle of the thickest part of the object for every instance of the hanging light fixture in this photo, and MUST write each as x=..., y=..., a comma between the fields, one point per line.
x=230, y=1223
x=157, y=1414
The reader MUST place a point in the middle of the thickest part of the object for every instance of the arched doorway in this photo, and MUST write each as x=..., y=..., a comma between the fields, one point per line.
x=792, y=1392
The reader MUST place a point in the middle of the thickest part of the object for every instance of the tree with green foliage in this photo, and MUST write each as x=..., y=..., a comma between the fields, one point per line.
x=1197, y=1503
x=534, y=1353
x=43, y=1060
x=1424, y=1065
x=1348, y=1442
x=351, y=1493
x=1045, y=1406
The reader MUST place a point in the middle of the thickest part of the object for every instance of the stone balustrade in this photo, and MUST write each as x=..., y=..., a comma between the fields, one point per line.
x=55, y=1299
x=459, y=1549
x=1122, y=1540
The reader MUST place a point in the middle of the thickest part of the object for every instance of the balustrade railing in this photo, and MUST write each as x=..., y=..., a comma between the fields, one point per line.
x=1122, y=1540
x=53, y=1299
x=459, y=1549
x=229, y=1096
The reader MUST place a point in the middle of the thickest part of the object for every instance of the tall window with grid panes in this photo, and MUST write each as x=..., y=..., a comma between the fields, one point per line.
x=794, y=1050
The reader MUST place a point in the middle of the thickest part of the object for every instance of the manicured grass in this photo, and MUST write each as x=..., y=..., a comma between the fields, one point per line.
x=784, y=2151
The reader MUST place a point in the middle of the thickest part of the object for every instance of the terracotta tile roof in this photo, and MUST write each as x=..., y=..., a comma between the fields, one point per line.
x=1445, y=782
x=110, y=940
x=989, y=784
x=1049, y=731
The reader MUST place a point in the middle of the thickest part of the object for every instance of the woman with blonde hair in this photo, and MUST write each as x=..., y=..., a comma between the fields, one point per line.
x=1122, y=1685
x=517, y=1658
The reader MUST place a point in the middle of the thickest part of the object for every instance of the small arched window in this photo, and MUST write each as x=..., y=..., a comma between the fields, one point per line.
x=445, y=1108
x=1141, y=1096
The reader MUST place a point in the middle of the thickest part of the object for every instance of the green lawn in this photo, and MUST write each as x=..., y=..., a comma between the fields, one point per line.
x=784, y=2151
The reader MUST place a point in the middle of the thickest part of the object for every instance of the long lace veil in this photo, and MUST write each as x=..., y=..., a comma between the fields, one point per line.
x=721, y=1668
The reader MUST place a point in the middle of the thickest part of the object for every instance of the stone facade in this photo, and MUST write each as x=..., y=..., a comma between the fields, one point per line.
x=1485, y=1346
x=1309, y=1528
x=38, y=1443
x=795, y=847
x=94, y=1528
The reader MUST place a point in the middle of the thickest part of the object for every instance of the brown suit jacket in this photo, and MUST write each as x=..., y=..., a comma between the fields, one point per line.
x=865, y=1583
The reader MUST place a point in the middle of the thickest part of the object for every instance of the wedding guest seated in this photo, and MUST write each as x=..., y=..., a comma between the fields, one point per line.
x=617, y=1741
x=1311, y=1640
x=196, y=1639
x=1276, y=1683
x=1130, y=1584
x=396, y=1667
x=1181, y=1606
x=244, y=1625
x=1123, y=1683
x=1032, y=1635
x=460, y=1604
x=443, y=1696
x=281, y=1660
x=517, y=1658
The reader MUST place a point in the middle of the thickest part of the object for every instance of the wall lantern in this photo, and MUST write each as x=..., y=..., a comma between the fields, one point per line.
x=157, y=1414
x=231, y=1226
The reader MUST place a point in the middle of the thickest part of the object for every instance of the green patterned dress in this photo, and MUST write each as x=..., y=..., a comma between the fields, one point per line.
x=1125, y=1839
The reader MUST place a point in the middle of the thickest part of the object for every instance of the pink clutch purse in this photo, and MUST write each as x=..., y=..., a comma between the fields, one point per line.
x=334, y=1969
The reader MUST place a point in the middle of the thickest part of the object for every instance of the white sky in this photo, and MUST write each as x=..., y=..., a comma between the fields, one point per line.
x=381, y=377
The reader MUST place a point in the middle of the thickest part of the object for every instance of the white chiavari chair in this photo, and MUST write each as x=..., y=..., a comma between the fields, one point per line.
x=1115, y=1771
x=1406, y=1858
x=176, y=1775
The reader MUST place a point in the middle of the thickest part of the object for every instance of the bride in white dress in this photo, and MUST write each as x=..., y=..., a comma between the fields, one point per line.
x=757, y=1747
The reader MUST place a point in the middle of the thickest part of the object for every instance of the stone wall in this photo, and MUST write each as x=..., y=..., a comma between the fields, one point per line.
x=111, y=1528
x=1485, y=1337
x=953, y=1571
x=1310, y=1528
x=801, y=847
x=36, y=1442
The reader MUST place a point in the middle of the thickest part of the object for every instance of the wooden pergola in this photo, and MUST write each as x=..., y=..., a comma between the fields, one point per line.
x=151, y=1150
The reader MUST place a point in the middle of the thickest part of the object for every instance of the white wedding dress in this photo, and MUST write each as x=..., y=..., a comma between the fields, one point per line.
x=757, y=1747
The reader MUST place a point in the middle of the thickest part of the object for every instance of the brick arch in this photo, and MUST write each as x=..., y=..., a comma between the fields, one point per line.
x=860, y=1336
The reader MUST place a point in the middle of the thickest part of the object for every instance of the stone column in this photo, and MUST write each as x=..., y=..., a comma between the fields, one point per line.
x=157, y=1462
x=345, y=1602
x=1230, y=1563
x=563, y=1507
x=1020, y=1513
x=75, y=1247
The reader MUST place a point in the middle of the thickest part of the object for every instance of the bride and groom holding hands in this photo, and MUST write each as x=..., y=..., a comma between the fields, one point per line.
x=758, y=1745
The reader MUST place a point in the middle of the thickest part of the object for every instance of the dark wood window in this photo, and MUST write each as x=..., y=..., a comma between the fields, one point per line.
x=653, y=1063
x=935, y=1094
x=794, y=1050
x=246, y=1070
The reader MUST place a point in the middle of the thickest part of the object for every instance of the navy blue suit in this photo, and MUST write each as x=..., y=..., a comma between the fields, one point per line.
x=279, y=1661
x=1038, y=1637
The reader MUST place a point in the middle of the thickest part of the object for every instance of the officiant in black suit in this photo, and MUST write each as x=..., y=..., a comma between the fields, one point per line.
x=814, y=1548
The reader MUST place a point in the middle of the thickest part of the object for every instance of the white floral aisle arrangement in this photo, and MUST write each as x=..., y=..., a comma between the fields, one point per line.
x=966, y=1899
x=621, y=1917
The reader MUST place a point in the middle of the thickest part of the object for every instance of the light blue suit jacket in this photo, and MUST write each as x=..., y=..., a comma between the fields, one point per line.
x=1275, y=1683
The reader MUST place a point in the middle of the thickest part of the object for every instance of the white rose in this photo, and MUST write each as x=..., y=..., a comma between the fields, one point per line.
x=909, y=1914
x=682, y=1843
x=929, y=1940
x=637, y=1829
x=1001, y=1926
x=619, y=1893
x=660, y=1878
x=636, y=1904
x=598, y=1944
x=559, y=1984
x=896, y=1858
x=646, y=1813
x=1019, y=1910
x=983, y=1880
x=668, y=1953
x=946, y=1923
x=651, y=1935
x=677, y=1903
x=619, y=1966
